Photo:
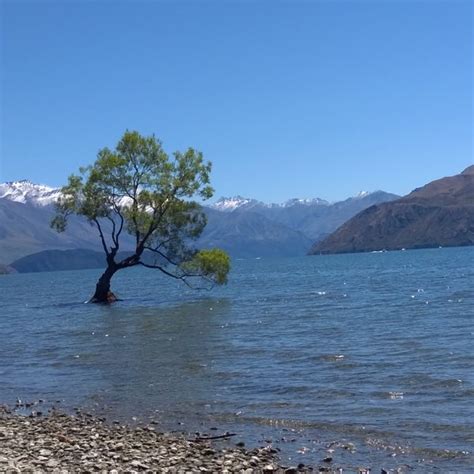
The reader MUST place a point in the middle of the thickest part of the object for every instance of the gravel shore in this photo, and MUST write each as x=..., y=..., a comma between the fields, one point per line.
x=60, y=443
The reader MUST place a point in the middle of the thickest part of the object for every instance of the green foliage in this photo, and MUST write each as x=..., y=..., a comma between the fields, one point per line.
x=138, y=188
x=212, y=264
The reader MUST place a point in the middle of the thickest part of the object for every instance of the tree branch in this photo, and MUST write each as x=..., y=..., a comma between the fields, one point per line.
x=117, y=210
x=206, y=438
x=102, y=238
x=164, y=206
x=161, y=254
x=158, y=267
x=180, y=277
x=114, y=238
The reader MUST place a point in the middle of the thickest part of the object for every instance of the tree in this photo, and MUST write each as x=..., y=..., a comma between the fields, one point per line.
x=139, y=189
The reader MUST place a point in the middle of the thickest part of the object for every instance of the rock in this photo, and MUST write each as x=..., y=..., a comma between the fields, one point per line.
x=269, y=468
x=52, y=463
x=136, y=463
x=61, y=443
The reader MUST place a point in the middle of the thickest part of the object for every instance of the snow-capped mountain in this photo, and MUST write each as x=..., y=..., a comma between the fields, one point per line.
x=304, y=202
x=257, y=229
x=38, y=195
x=26, y=192
x=229, y=204
x=362, y=194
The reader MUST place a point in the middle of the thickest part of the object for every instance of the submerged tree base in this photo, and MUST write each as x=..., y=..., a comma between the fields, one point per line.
x=108, y=298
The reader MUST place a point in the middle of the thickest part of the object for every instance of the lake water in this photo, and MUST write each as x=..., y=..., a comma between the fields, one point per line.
x=372, y=349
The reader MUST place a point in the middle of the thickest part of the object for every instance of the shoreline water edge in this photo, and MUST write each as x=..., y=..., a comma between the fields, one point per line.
x=35, y=438
x=58, y=442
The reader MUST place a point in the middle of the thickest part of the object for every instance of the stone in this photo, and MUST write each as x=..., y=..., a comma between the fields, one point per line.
x=269, y=468
x=52, y=463
x=60, y=443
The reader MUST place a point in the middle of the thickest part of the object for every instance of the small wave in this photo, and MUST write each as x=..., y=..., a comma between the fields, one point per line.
x=396, y=395
x=333, y=357
x=427, y=381
x=424, y=452
x=391, y=395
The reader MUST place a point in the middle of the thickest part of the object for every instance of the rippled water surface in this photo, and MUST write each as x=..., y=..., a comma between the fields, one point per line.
x=372, y=349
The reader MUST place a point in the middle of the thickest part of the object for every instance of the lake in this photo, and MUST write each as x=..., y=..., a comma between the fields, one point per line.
x=374, y=349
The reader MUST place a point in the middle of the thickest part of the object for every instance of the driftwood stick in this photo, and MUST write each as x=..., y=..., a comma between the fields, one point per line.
x=205, y=438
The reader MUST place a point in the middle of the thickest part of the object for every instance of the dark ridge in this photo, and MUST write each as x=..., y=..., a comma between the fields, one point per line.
x=440, y=213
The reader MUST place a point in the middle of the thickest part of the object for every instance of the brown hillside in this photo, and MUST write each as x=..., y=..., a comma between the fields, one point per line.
x=440, y=213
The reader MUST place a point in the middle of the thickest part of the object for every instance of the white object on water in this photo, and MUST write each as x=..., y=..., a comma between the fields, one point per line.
x=396, y=395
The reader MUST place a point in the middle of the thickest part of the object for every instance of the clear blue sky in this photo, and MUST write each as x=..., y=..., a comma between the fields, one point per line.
x=294, y=98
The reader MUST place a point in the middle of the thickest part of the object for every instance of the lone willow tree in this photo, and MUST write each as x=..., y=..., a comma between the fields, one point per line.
x=138, y=189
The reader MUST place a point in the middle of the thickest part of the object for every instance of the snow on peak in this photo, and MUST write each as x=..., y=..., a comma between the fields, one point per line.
x=228, y=204
x=237, y=202
x=362, y=194
x=304, y=202
x=25, y=191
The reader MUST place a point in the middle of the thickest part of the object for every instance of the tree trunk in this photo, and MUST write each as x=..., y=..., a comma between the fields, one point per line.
x=102, y=290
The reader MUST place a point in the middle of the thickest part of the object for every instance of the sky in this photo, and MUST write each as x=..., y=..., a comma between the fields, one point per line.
x=286, y=98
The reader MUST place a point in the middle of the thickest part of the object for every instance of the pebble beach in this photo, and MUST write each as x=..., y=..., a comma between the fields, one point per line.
x=60, y=442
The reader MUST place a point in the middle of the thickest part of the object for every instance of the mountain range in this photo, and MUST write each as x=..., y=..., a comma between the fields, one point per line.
x=243, y=227
x=441, y=213
x=247, y=227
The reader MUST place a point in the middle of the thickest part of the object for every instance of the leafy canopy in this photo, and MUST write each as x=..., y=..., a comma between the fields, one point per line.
x=138, y=188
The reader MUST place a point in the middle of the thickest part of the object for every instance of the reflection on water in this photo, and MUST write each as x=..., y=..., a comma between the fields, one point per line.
x=165, y=352
x=375, y=349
